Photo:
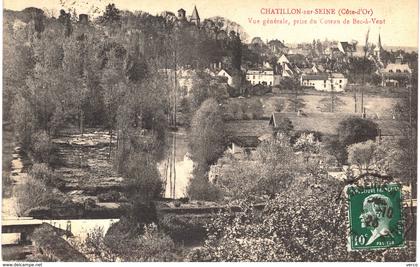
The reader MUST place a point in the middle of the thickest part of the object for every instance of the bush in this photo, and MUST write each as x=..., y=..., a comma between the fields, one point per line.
x=151, y=245
x=35, y=193
x=350, y=131
x=41, y=147
x=42, y=172
x=143, y=177
x=200, y=188
x=185, y=229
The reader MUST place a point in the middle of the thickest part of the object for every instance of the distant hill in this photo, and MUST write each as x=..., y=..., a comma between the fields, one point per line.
x=408, y=49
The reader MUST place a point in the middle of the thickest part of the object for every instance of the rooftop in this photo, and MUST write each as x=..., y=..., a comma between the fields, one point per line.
x=247, y=128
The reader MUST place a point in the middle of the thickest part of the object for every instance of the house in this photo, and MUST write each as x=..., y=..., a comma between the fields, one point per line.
x=244, y=136
x=396, y=74
x=243, y=144
x=313, y=70
x=298, y=60
x=184, y=78
x=258, y=128
x=265, y=76
x=283, y=59
x=234, y=77
x=224, y=73
x=347, y=48
x=287, y=71
x=327, y=123
x=324, y=81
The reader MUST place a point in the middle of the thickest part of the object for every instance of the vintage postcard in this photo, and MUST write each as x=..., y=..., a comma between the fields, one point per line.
x=209, y=131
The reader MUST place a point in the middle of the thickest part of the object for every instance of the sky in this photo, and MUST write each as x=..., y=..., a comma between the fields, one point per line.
x=399, y=27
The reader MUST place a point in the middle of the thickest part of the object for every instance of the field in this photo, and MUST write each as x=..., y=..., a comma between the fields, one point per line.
x=376, y=106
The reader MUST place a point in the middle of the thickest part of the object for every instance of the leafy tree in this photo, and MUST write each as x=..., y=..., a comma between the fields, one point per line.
x=41, y=147
x=350, y=131
x=204, y=87
x=207, y=134
x=199, y=188
x=75, y=76
x=112, y=15
x=394, y=158
x=362, y=155
x=143, y=177
x=35, y=193
x=273, y=169
x=355, y=130
x=23, y=120
x=307, y=143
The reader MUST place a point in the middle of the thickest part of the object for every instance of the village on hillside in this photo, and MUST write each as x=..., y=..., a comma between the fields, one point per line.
x=170, y=137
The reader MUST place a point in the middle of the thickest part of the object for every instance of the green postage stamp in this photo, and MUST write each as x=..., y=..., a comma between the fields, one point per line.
x=375, y=217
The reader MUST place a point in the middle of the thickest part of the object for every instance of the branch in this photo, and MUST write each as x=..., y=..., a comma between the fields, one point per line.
x=366, y=174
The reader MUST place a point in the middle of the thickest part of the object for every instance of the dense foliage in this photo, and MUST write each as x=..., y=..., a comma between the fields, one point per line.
x=305, y=222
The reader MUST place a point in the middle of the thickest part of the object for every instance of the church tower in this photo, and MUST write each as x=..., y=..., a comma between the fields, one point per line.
x=195, y=18
x=378, y=49
x=181, y=15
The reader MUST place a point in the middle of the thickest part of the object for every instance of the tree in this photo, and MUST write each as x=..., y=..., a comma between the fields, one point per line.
x=350, y=131
x=362, y=155
x=199, y=188
x=394, y=158
x=35, y=193
x=271, y=171
x=23, y=120
x=239, y=181
x=204, y=87
x=112, y=15
x=41, y=147
x=207, y=134
x=278, y=165
x=143, y=177
x=307, y=143
x=355, y=130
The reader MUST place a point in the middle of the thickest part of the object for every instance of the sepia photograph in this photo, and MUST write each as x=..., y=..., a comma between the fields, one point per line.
x=209, y=131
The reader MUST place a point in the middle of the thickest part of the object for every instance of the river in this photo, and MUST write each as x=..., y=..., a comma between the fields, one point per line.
x=183, y=163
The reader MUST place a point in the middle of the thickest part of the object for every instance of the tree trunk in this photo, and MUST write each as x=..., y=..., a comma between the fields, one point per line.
x=81, y=120
x=110, y=143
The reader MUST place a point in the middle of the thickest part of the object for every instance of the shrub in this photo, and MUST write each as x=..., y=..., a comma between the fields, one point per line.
x=200, y=188
x=143, y=177
x=35, y=193
x=42, y=172
x=41, y=147
x=186, y=229
x=151, y=245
